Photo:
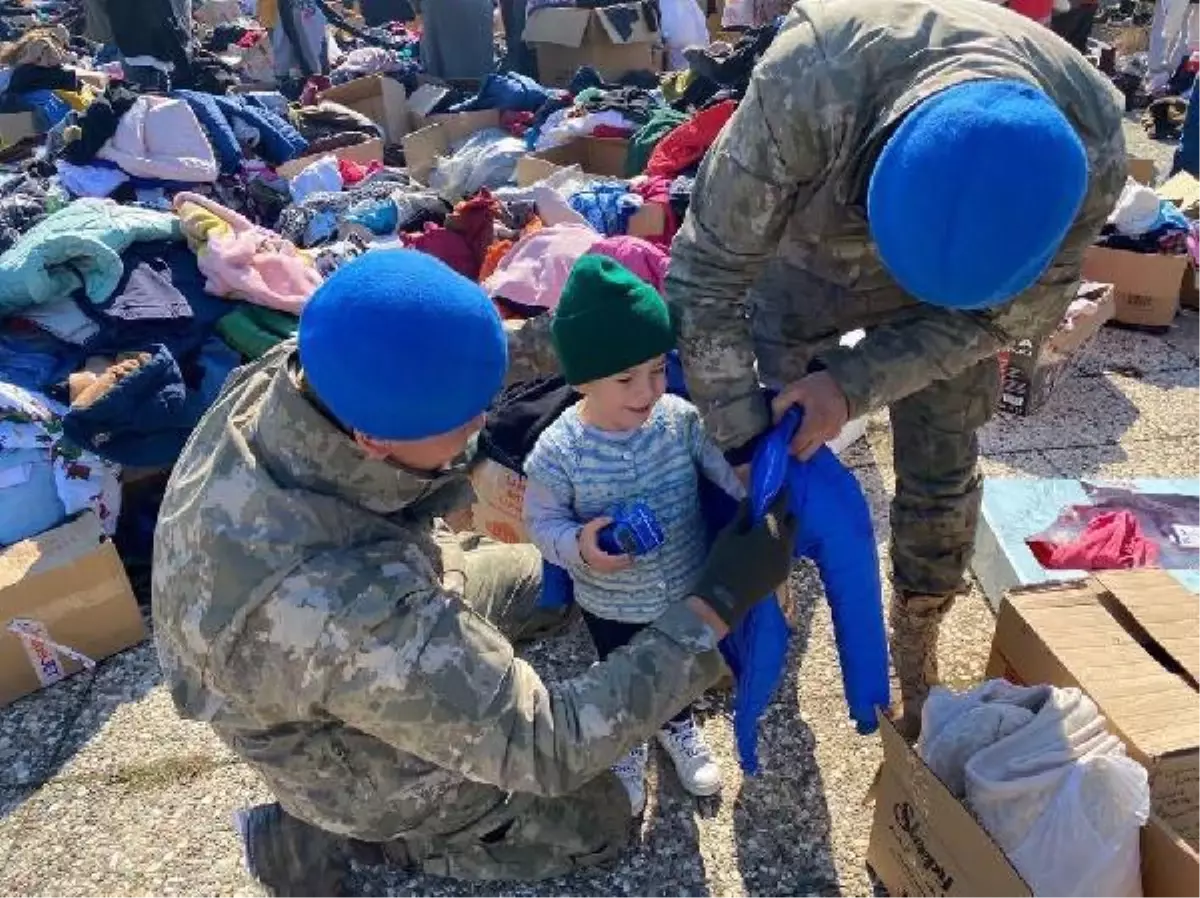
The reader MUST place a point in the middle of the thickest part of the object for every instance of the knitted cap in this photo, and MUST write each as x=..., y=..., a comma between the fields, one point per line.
x=608, y=319
x=399, y=346
x=974, y=192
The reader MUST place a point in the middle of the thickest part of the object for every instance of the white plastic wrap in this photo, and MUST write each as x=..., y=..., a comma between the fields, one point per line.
x=1047, y=780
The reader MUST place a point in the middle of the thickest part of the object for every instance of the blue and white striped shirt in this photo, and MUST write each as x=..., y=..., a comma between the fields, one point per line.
x=578, y=472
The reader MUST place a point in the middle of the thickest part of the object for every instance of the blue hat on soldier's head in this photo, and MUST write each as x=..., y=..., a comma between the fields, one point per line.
x=973, y=193
x=398, y=346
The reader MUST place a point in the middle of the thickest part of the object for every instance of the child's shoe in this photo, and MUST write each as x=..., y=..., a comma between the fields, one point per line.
x=631, y=770
x=693, y=760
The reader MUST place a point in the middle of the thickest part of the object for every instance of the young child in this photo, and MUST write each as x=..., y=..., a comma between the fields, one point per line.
x=624, y=441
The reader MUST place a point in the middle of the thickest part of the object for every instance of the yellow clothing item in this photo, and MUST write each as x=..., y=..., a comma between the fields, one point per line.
x=200, y=225
x=267, y=13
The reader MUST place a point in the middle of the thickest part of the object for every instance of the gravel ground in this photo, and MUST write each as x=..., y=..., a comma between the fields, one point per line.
x=139, y=802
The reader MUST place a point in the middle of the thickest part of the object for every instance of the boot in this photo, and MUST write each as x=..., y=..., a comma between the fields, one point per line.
x=915, y=620
x=291, y=857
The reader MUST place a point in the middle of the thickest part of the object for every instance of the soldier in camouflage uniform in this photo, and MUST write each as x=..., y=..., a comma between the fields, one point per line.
x=778, y=257
x=312, y=606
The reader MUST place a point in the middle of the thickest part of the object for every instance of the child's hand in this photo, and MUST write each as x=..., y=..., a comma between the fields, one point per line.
x=595, y=557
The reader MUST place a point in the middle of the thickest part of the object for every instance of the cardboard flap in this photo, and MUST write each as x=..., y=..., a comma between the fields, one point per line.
x=55, y=548
x=362, y=153
x=560, y=25
x=1163, y=609
x=923, y=840
x=1184, y=191
x=622, y=27
x=1170, y=867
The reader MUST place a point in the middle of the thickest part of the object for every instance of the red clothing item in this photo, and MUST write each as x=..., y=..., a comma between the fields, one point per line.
x=687, y=144
x=1038, y=10
x=1112, y=541
x=463, y=243
x=352, y=172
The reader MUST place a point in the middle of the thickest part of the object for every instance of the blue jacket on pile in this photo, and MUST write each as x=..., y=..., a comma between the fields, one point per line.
x=835, y=531
x=278, y=140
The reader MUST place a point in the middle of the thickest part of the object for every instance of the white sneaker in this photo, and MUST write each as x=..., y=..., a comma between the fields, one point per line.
x=693, y=760
x=631, y=770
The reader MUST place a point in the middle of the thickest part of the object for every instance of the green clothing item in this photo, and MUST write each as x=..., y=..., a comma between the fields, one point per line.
x=644, y=139
x=254, y=331
x=311, y=604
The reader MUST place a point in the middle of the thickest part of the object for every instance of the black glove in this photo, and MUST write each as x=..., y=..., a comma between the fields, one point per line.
x=747, y=562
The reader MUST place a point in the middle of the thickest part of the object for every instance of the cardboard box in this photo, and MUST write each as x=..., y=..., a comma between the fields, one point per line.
x=1131, y=641
x=594, y=155
x=1147, y=285
x=1142, y=170
x=422, y=148
x=1189, y=297
x=1184, y=191
x=923, y=841
x=379, y=98
x=422, y=103
x=1028, y=374
x=648, y=221
x=362, y=153
x=565, y=38
x=16, y=126
x=66, y=586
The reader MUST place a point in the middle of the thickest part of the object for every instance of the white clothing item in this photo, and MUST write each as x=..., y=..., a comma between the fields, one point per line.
x=89, y=180
x=487, y=158
x=323, y=176
x=559, y=128
x=631, y=771
x=1136, y=211
x=693, y=760
x=683, y=26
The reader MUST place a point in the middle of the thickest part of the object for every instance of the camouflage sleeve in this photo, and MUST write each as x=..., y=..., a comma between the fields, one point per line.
x=756, y=172
x=413, y=666
x=530, y=352
x=897, y=360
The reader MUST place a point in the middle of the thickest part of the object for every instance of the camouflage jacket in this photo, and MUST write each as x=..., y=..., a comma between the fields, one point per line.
x=307, y=603
x=775, y=251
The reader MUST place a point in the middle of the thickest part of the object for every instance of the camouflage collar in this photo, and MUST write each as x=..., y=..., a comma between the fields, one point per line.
x=303, y=448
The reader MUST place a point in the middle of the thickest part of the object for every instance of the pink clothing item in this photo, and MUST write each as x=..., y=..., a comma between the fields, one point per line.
x=657, y=189
x=161, y=138
x=645, y=259
x=243, y=261
x=534, y=271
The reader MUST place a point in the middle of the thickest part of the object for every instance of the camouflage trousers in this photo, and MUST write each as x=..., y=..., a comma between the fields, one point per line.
x=526, y=837
x=934, y=431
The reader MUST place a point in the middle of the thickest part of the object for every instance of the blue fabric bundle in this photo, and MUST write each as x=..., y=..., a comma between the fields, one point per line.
x=607, y=207
x=278, y=140
x=508, y=92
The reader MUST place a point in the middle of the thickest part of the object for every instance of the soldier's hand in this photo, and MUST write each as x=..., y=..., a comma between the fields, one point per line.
x=825, y=411
x=595, y=557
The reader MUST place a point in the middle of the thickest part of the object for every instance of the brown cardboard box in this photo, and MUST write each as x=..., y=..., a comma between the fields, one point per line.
x=594, y=155
x=1142, y=170
x=1184, y=191
x=1189, y=297
x=1147, y=285
x=422, y=101
x=69, y=586
x=923, y=841
x=15, y=126
x=1131, y=641
x=422, y=148
x=362, y=153
x=648, y=221
x=499, y=502
x=1029, y=374
x=379, y=98
x=565, y=38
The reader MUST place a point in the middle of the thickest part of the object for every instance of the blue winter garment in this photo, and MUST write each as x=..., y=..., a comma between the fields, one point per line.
x=1187, y=156
x=607, y=207
x=143, y=420
x=278, y=140
x=46, y=102
x=506, y=91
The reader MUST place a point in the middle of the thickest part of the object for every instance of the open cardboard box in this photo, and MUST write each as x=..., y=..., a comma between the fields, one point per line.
x=362, y=153
x=1141, y=170
x=1131, y=641
x=379, y=98
x=423, y=148
x=69, y=586
x=565, y=38
x=1147, y=284
x=594, y=155
x=648, y=221
x=16, y=126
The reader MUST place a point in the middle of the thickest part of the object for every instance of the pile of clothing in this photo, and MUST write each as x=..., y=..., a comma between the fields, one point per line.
x=1142, y=222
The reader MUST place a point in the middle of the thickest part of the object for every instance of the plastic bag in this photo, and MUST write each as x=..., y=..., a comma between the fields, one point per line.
x=1047, y=780
x=487, y=158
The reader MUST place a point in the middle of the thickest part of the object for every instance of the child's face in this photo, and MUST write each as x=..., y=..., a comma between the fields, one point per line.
x=624, y=401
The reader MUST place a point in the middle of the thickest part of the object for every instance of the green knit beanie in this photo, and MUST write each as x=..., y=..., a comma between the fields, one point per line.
x=608, y=319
